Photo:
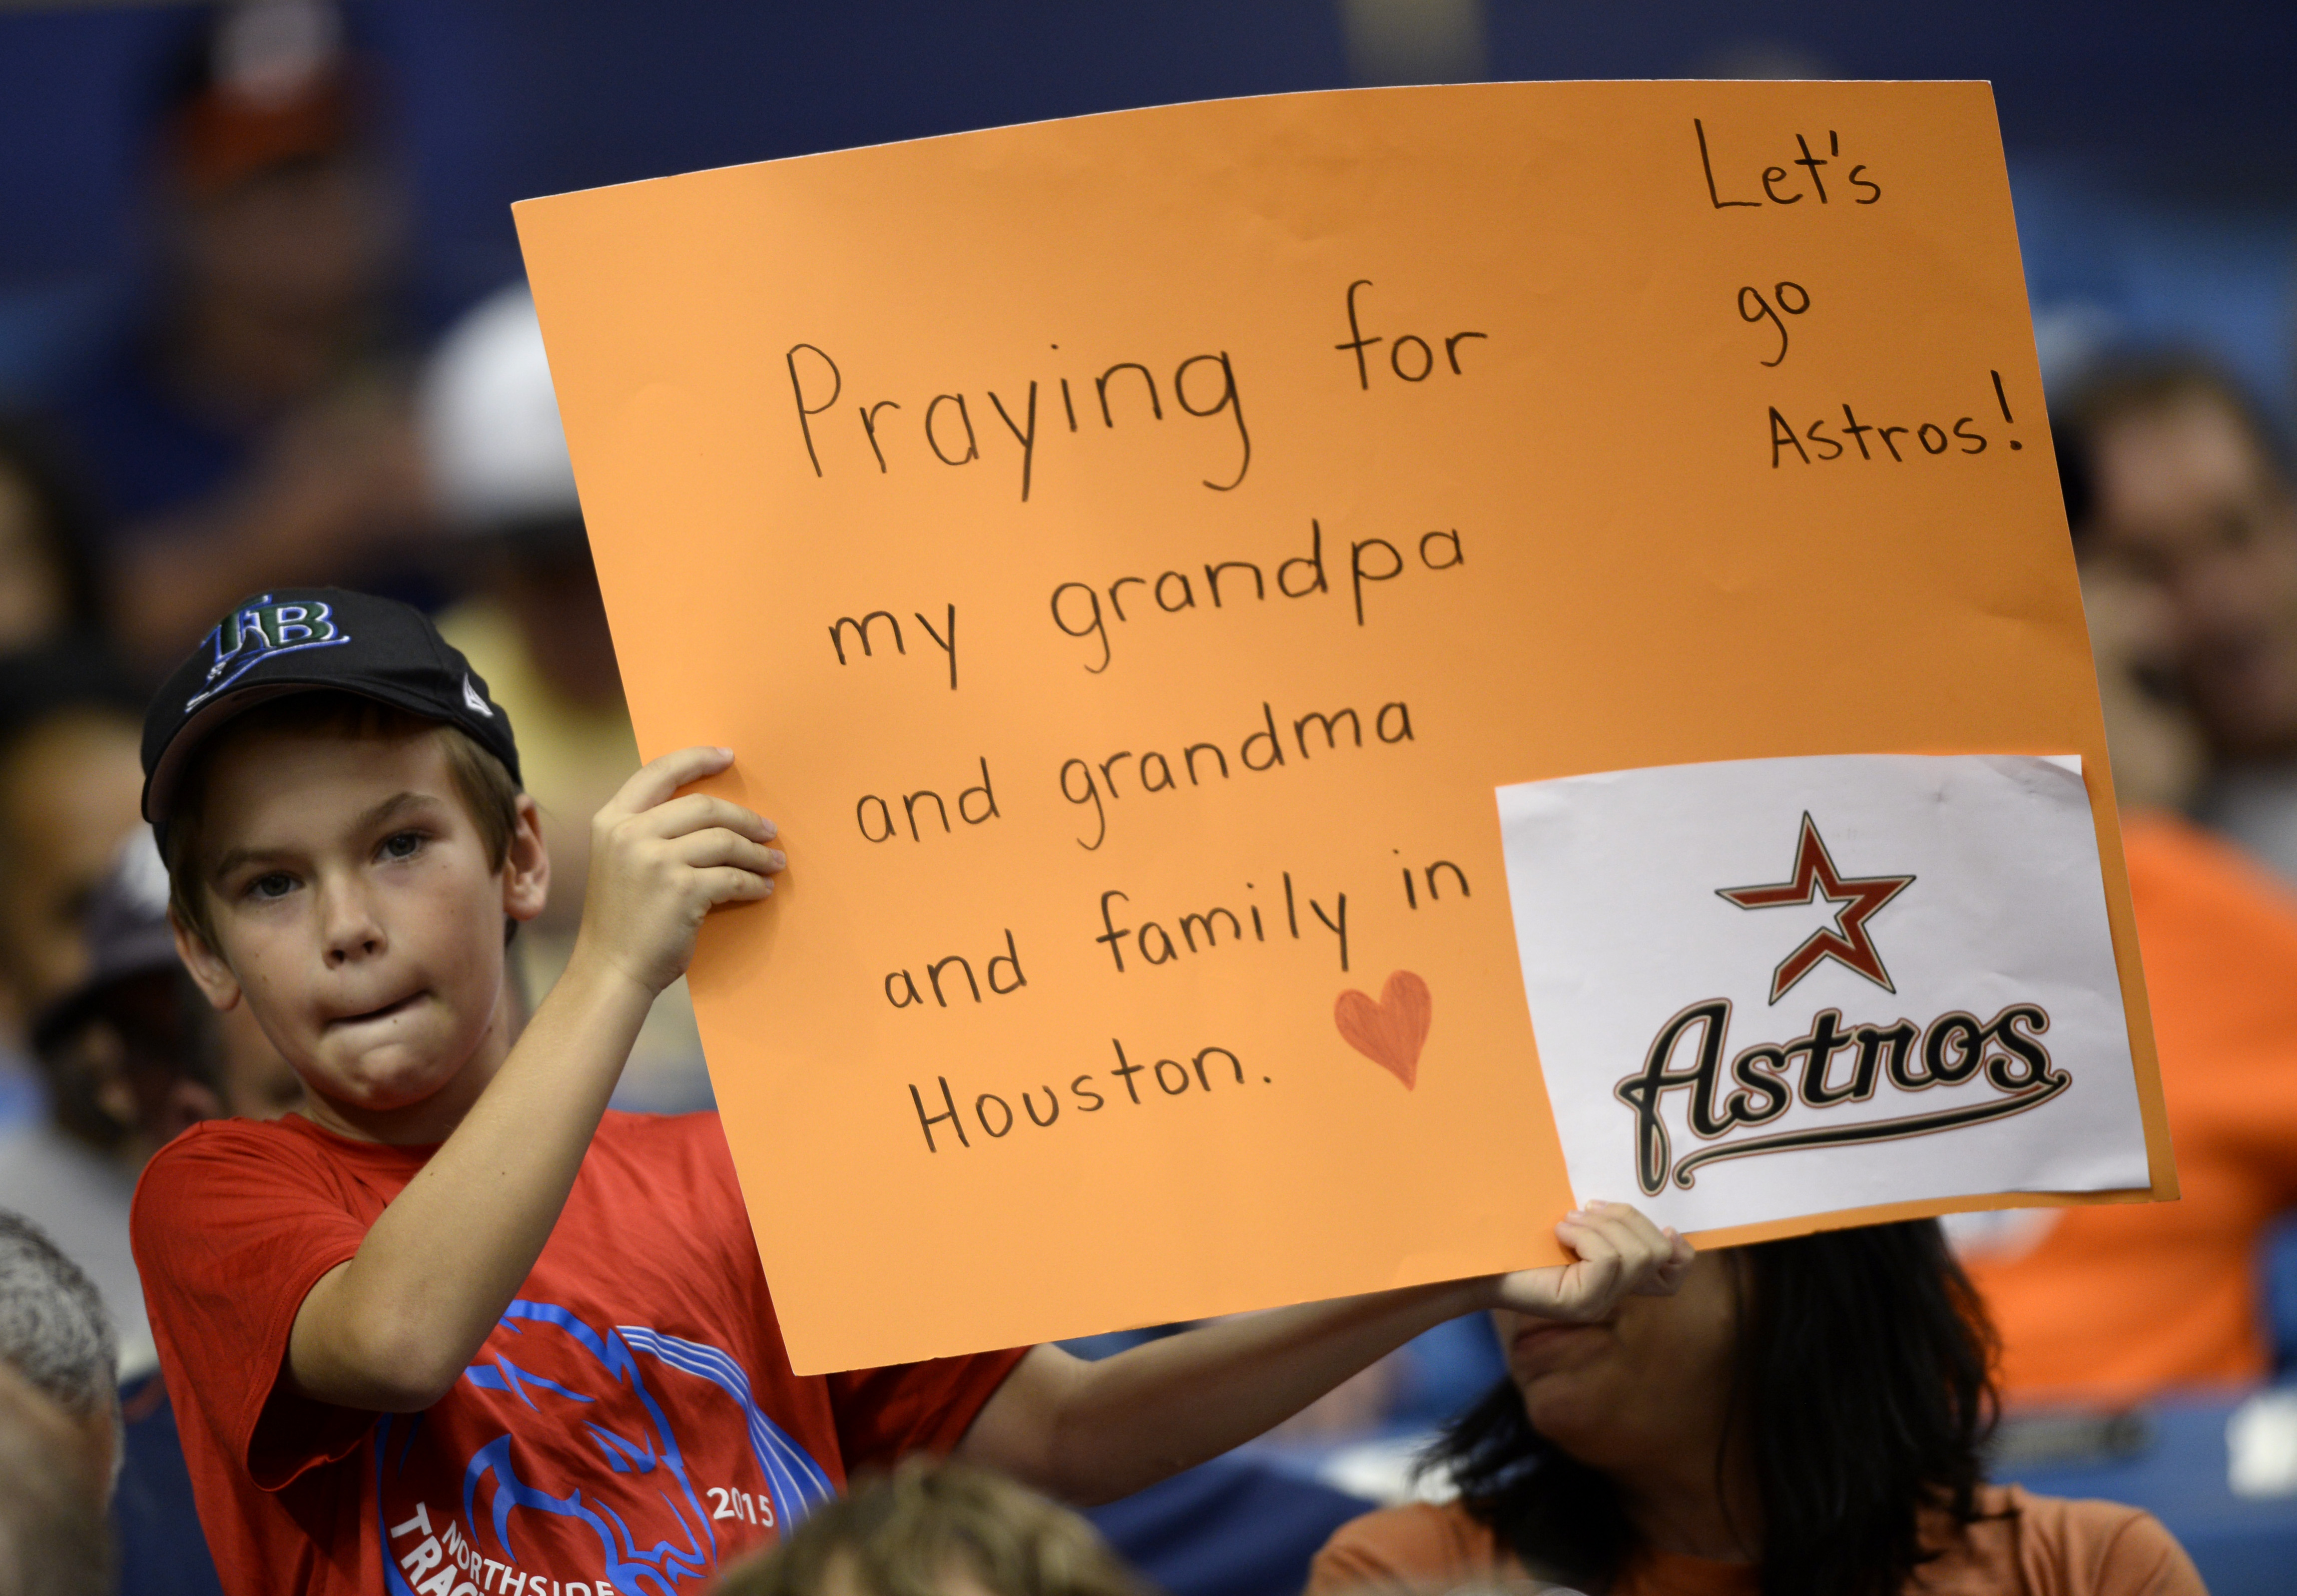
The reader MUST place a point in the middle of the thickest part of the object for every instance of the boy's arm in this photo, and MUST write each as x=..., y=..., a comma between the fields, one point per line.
x=1091, y=1432
x=393, y=1328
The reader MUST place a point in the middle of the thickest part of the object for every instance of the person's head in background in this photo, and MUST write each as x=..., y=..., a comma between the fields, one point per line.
x=1807, y=1404
x=501, y=480
x=48, y=582
x=278, y=226
x=2185, y=492
x=2160, y=755
x=496, y=457
x=53, y=1538
x=134, y=1056
x=55, y=1337
x=70, y=775
x=934, y=1528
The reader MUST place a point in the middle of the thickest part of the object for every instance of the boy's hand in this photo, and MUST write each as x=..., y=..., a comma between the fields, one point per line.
x=660, y=861
x=1620, y=1251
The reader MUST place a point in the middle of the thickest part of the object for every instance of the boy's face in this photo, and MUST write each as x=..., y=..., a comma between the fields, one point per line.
x=354, y=909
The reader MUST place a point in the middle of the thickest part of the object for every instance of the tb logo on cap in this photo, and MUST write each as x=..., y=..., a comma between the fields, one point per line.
x=257, y=632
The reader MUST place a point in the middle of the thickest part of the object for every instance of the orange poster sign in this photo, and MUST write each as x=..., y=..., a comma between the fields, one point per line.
x=1128, y=555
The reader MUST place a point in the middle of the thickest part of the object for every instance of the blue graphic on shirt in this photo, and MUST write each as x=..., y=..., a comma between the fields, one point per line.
x=631, y=1435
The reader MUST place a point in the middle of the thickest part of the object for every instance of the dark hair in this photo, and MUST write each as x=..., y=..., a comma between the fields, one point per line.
x=62, y=677
x=2143, y=385
x=1859, y=1388
x=63, y=512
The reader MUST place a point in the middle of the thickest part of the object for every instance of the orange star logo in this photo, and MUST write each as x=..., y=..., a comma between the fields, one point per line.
x=1845, y=941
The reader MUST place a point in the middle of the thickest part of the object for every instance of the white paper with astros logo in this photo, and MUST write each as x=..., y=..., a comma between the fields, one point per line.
x=1766, y=988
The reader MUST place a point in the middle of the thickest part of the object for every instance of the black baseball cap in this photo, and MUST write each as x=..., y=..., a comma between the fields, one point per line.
x=313, y=639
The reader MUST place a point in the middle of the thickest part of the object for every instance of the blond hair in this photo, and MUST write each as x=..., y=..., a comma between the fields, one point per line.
x=928, y=1524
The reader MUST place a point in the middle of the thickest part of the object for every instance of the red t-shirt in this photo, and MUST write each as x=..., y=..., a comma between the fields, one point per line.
x=630, y=1425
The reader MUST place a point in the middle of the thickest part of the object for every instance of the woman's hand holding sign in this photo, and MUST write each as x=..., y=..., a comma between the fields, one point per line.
x=1619, y=1253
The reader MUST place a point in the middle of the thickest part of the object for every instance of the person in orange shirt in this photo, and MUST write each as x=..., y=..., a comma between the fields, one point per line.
x=2106, y=1306
x=1802, y=1418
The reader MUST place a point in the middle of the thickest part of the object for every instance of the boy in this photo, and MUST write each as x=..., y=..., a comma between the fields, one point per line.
x=457, y=1331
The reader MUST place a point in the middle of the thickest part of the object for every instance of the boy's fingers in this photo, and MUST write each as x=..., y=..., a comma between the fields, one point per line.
x=730, y=883
x=704, y=849
x=654, y=783
x=696, y=811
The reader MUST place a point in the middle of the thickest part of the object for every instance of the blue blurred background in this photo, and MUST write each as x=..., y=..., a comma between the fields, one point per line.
x=2152, y=148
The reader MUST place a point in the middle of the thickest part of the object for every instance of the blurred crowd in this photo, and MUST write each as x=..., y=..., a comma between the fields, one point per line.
x=262, y=416
x=265, y=417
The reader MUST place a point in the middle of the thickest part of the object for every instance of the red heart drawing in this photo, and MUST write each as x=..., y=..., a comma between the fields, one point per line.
x=1391, y=1032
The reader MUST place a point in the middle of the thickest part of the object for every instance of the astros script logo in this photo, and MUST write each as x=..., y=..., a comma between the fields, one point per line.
x=2003, y=1056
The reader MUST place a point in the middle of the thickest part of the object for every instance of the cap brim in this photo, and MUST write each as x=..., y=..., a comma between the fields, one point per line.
x=159, y=788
